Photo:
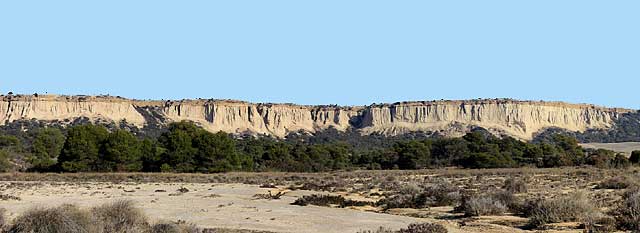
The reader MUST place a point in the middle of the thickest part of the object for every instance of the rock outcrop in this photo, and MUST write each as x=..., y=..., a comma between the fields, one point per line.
x=520, y=119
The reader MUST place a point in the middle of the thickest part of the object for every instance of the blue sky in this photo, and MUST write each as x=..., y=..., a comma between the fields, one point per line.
x=325, y=52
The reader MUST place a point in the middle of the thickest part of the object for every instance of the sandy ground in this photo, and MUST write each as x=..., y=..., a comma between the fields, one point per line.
x=207, y=205
x=626, y=147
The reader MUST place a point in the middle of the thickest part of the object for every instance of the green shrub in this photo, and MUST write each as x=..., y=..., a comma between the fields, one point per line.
x=635, y=157
x=5, y=165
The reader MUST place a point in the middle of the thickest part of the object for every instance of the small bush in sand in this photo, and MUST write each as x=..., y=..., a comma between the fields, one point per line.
x=483, y=205
x=116, y=217
x=572, y=208
x=424, y=228
x=174, y=228
x=2, y=220
x=413, y=228
x=66, y=218
x=618, y=182
x=628, y=212
x=600, y=223
x=328, y=200
x=492, y=203
x=441, y=194
x=121, y=216
x=515, y=185
x=379, y=230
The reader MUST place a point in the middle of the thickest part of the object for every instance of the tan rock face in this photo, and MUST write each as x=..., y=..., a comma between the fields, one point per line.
x=520, y=119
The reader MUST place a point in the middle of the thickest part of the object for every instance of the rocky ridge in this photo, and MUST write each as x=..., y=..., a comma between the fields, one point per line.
x=520, y=119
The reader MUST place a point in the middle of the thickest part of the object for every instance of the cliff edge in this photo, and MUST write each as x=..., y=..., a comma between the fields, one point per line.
x=519, y=119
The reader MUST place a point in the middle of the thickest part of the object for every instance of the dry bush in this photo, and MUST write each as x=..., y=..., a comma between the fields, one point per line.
x=174, y=228
x=121, y=217
x=424, y=228
x=379, y=230
x=571, y=208
x=515, y=185
x=441, y=194
x=63, y=219
x=483, y=205
x=116, y=217
x=413, y=228
x=618, y=182
x=600, y=223
x=408, y=196
x=269, y=195
x=628, y=213
x=2, y=220
x=328, y=200
x=7, y=197
x=492, y=203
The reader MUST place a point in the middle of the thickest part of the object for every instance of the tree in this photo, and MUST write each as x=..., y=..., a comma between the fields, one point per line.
x=412, y=154
x=152, y=156
x=620, y=161
x=5, y=165
x=81, y=151
x=601, y=158
x=121, y=152
x=47, y=146
x=10, y=142
x=216, y=152
x=486, y=160
x=178, y=142
x=635, y=157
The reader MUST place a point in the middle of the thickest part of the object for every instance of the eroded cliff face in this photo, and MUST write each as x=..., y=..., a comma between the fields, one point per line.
x=520, y=119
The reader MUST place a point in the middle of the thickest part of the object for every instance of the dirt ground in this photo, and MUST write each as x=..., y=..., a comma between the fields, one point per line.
x=231, y=201
x=207, y=205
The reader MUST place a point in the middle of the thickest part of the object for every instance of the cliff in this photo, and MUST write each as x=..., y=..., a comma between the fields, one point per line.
x=520, y=119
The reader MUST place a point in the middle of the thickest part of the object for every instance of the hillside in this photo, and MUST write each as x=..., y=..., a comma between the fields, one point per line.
x=519, y=119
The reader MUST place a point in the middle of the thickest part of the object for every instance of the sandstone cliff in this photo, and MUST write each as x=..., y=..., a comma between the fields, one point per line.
x=520, y=119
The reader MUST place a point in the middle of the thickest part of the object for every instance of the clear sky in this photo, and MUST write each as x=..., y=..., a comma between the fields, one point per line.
x=325, y=52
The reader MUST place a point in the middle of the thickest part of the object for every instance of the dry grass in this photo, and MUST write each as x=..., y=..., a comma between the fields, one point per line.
x=618, y=182
x=483, y=205
x=2, y=220
x=174, y=228
x=628, y=212
x=486, y=192
x=66, y=218
x=116, y=217
x=515, y=185
x=571, y=208
x=121, y=216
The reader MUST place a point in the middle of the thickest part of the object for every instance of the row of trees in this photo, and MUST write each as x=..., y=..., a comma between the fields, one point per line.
x=184, y=147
